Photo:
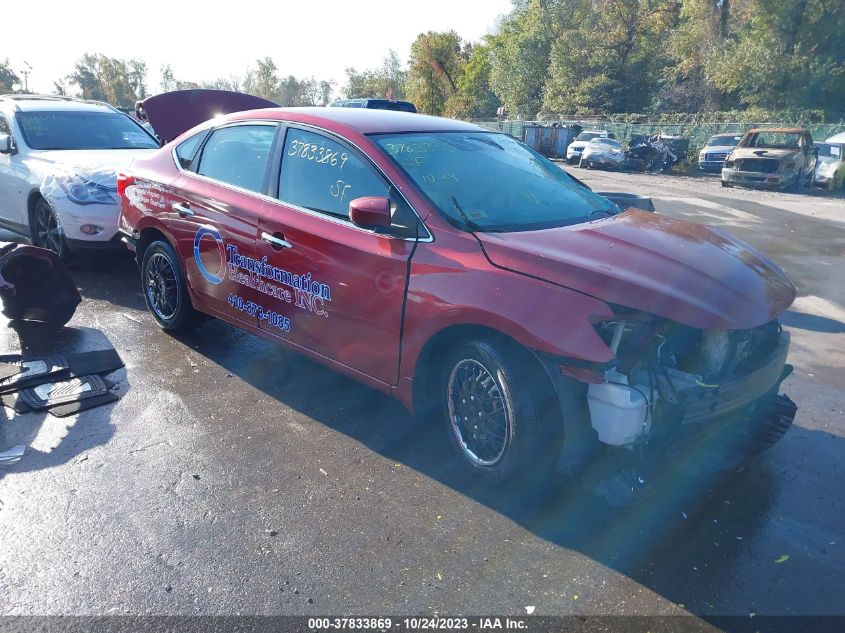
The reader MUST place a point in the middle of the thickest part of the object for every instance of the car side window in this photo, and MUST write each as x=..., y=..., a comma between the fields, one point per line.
x=4, y=126
x=238, y=155
x=321, y=174
x=187, y=150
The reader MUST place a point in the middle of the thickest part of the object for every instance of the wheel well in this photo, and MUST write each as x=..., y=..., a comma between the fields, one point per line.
x=147, y=237
x=432, y=357
x=31, y=201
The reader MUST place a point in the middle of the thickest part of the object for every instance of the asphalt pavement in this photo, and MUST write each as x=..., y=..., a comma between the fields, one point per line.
x=234, y=477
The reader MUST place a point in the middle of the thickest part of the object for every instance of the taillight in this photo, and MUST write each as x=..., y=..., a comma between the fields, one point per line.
x=123, y=181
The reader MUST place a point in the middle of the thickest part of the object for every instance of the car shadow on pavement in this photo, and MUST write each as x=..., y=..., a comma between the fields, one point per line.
x=683, y=540
x=52, y=441
x=812, y=322
x=107, y=277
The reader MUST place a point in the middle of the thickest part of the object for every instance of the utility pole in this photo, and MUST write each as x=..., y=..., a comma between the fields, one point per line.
x=25, y=74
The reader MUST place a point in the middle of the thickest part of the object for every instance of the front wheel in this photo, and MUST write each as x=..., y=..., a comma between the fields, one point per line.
x=165, y=290
x=46, y=231
x=498, y=418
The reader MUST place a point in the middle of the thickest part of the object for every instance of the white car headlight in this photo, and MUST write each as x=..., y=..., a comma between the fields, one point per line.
x=82, y=191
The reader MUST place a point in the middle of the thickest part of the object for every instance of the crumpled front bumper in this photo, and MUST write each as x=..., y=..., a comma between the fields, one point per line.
x=756, y=179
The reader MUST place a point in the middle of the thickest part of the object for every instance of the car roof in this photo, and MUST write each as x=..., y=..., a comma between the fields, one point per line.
x=836, y=138
x=361, y=120
x=53, y=103
x=785, y=130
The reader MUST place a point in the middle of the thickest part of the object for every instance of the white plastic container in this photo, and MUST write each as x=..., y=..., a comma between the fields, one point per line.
x=618, y=412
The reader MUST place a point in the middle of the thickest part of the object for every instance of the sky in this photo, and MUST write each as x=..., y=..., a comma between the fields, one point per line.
x=206, y=40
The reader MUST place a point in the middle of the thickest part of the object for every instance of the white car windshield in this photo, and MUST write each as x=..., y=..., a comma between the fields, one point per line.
x=588, y=136
x=724, y=141
x=82, y=130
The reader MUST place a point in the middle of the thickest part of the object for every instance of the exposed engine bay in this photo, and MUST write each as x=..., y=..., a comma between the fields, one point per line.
x=670, y=380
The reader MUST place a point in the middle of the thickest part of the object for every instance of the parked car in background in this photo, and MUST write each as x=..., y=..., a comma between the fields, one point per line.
x=576, y=147
x=777, y=158
x=454, y=268
x=58, y=168
x=712, y=156
x=602, y=153
x=375, y=104
x=830, y=171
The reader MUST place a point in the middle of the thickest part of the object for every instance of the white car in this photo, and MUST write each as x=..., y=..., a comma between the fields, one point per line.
x=576, y=147
x=59, y=159
x=712, y=156
x=830, y=170
x=602, y=153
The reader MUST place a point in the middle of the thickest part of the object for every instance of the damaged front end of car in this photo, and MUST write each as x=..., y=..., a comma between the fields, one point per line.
x=674, y=391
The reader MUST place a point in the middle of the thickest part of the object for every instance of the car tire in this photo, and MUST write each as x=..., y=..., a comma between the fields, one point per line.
x=725, y=183
x=513, y=437
x=46, y=232
x=795, y=186
x=165, y=290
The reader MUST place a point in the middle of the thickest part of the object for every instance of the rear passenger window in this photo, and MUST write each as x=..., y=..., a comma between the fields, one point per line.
x=238, y=155
x=322, y=175
x=186, y=150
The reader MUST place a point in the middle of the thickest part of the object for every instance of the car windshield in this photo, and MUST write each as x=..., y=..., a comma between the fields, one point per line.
x=82, y=130
x=829, y=150
x=606, y=141
x=724, y=141
x=771, y=139
x=486, y=181
x=588, y=136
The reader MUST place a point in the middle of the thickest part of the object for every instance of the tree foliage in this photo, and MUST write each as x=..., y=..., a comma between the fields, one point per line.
x=116, y=81
x=436, y=66
x=384, y=82
x=8, y=78
x=579, y=56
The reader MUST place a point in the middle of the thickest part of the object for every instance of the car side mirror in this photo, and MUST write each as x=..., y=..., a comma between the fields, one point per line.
x=370, y=212
x=6, y=146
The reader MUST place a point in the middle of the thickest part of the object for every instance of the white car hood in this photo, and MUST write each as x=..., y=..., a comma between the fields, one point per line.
x=99, y=166
x=718, y=149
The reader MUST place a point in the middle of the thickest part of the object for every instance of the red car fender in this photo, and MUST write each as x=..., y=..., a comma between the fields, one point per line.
x=445, y=291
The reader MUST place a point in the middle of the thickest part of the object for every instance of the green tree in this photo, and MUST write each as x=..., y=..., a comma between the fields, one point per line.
x=474, y=97
x=8, y=78
x=385, y=82
x=520, y=55
x=611, y=59
x=436, y=65
x=783, y=54
x=109, y=79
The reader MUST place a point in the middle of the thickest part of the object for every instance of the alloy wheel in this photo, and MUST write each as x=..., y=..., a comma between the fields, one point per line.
x=162, y=287
x=47, y=230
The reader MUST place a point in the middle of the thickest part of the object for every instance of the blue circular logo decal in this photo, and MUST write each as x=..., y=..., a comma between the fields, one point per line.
x=213, y=233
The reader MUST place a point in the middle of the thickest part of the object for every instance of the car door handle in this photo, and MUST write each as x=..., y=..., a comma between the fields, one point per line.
x=277, y=243
x=183, y=209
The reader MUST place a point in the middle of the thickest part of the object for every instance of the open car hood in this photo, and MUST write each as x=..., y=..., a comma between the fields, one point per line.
x=690, y=273
x=172, y=113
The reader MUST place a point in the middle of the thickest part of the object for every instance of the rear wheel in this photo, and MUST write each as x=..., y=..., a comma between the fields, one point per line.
x=165, y=290
x=46, y=231
x=496, y=413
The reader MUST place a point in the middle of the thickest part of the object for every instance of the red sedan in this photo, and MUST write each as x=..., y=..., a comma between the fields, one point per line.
x=471, y=278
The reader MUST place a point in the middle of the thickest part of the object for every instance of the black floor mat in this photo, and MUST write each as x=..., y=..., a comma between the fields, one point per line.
x=61, y=384
x=68, y=396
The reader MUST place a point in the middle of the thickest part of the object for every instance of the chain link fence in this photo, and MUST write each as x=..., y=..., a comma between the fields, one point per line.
x=696, y=132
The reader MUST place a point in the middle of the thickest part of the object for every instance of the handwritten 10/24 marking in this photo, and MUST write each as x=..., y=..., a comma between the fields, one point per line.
x=318, y=153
